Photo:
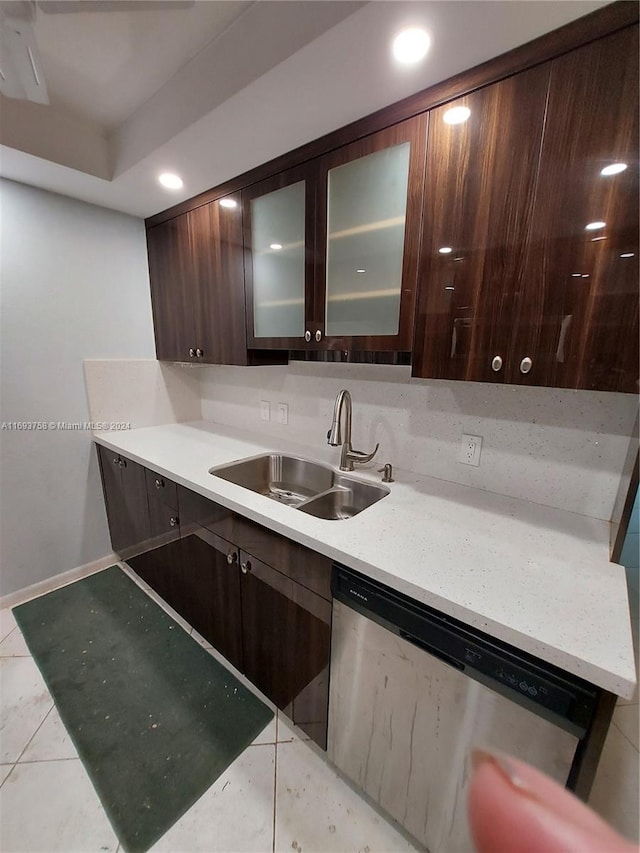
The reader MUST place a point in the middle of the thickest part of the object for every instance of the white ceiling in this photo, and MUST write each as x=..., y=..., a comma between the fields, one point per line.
x=217, y=88
x=104, y=64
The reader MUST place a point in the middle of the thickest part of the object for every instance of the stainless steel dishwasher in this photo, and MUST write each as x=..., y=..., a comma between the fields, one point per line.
x=412, y=691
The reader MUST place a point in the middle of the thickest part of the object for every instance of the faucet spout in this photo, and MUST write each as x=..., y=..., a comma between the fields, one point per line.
x=334, y=437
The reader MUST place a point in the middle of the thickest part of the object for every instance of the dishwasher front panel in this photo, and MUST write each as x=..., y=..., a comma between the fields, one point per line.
x=402, y=724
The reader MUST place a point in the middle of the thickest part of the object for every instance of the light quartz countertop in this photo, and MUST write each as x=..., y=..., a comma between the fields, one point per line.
x=536, y=577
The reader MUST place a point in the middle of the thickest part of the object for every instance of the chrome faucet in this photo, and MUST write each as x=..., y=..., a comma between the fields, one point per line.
x=334, y=436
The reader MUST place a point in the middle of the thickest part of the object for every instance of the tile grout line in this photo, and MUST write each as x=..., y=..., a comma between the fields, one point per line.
x=6, y=636
x=13, y=767
x=35, y=733
x=633, y=746
x=275, y=789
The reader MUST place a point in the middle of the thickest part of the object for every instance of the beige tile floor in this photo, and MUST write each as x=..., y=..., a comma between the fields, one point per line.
x=279, y=795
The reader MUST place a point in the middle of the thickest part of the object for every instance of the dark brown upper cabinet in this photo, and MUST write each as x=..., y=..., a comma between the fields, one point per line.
x=519, y=282
x=482, y=163
x=580, y=326
x=331, y=247
x=197, y=285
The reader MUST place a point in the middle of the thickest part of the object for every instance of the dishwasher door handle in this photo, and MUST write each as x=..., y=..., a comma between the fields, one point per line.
x=421, y=644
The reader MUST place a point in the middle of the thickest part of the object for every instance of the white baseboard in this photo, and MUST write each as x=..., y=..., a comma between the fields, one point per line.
x=13, y=599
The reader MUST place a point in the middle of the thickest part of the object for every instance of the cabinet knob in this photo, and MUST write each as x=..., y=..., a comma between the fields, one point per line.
x=246, y=567
x=159, y=484
x=232, y=556
x=116, y=460
x=192, y=352
x=307, y=336
x=174, y=521
x=496, y=363
x=525, y=365
x=122, y=463
x=199, y=353
x=318, y=335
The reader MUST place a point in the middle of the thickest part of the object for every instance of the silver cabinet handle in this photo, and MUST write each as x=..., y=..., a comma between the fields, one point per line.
x=232, y=556
x=525, y=365
x=199, y=353
x=192, y=352
x=246, y=567
x=159, y=484
x=174, y=521
x=318, y=335
x=307, y=336
x=496, y=363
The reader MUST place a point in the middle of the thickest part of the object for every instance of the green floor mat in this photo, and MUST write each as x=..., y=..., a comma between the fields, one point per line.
x=153, y=716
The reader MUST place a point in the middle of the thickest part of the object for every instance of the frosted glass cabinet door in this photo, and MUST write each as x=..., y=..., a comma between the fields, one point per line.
x=366, y=212
x=369, y=215
x=277, y=225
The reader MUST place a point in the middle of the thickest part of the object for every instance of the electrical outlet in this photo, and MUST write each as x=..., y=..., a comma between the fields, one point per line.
x=470, y=448
x=283, y=413
x=265, y=410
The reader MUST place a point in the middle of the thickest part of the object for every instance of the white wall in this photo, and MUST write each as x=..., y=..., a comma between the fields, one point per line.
x=74, y=285
x=556, y=447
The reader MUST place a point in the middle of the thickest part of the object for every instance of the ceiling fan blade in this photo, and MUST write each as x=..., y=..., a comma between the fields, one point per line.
x=20, y=68
x=63, y=7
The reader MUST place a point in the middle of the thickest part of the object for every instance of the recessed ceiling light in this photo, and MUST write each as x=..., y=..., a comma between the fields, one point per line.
x=449, y=287
x=597, y=239
x=456, y=115
x=411, y=45
x=595, y=226
x=613, y=169
x=360, y=271
x=445, y=250
x=628, y=255
x=585, y=276
x=275, y=246
x=170, y=181
x=228, y=202
x=575, y=275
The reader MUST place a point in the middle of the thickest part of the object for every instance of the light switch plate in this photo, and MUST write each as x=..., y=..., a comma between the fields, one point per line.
x=283, y=413
x=265, y=410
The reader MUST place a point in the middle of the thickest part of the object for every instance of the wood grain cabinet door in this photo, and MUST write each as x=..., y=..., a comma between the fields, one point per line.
x=125, y=495
x=579, y=320
x=482, y=159
x=161, y=565
x=217, y=278
x=286, y=636
x=171, y=275
x=211, y=590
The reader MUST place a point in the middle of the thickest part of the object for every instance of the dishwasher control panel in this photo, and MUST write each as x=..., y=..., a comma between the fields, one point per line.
x=565, y=698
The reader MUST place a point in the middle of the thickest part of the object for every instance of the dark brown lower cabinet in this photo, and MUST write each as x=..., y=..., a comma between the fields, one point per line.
x=262, y=601
x=211, y=585
x=286, y=637
x=160, y=565
x=125, y=497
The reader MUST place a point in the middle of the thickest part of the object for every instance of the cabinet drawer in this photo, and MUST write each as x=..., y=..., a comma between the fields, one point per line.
x=163, y=489
x=303, y=565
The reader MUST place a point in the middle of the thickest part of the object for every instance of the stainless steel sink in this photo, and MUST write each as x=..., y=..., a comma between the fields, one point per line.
x=345, y=499
x=309, y=486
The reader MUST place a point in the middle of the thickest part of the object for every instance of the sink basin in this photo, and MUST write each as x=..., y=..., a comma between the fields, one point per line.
x=309, y=486
x=347, y=498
